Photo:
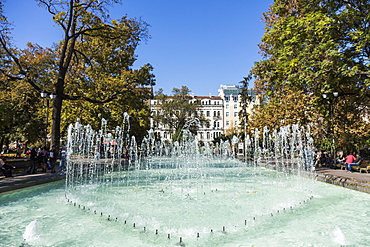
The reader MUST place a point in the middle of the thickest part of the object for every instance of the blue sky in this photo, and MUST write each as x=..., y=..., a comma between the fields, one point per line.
x=195, y=43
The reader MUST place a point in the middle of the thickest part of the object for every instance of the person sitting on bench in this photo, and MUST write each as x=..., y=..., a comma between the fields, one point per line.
x=355, y=163
x=6, y=168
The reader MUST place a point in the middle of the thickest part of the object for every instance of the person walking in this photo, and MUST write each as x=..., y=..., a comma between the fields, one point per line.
x=44, y=158
x=33, y=159
x=52, y=158
x=63, y=156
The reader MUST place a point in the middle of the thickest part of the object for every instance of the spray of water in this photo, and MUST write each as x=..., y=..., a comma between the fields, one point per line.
x=146, y=184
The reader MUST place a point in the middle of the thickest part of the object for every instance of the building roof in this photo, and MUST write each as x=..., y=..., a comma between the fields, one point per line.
x=208, y=97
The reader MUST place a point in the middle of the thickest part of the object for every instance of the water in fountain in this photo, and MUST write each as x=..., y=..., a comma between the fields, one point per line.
x=119, y=193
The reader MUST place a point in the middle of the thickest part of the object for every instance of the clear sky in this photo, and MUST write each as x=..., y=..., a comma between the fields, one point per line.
x=195, y=43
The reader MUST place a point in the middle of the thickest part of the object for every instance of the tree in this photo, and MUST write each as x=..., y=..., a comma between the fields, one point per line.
x=312, y=47
x=245, y=101
x=135, y=104
x=91, y=63
x=175, y=111
x=21, y=116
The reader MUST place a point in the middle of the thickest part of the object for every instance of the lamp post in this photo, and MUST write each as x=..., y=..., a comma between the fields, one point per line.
x=330, y=96
x=52, y=96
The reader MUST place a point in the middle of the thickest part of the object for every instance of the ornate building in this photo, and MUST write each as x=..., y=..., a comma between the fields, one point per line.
x=222, y=113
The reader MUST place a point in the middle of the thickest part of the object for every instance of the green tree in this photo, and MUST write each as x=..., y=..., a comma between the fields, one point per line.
x=22, y=117
x=175, y=111
x=312, y=47
x=245, y=101
x=93, y=62
x=135, y=104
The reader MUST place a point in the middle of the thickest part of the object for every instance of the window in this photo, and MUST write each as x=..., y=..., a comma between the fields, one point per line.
x=227, y=98
x=227, y=106
x=215, y=114
x=227, y=123
x=235, y=98
x=235, y=114
x=227, y=114
x=235, y=106
x=208, y=135
x=208, y=114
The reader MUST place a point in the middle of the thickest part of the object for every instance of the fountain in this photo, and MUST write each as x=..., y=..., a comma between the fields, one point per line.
x=120, y=193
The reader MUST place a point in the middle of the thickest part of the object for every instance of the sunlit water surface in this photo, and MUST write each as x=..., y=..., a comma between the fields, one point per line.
x=226, y=207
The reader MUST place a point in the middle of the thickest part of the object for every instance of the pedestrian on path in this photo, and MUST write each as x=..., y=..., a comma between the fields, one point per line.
x=52, y=158
x=33, y=159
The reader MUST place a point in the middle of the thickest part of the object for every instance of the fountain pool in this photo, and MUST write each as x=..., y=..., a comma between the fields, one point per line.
x=185, y=194
x=246, y=206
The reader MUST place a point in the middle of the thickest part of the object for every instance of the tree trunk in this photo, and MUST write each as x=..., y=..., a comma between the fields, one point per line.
x=55, y=131
x=57, y=112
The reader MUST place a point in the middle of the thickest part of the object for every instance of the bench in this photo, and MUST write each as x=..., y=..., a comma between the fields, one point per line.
x=366, y=169
x=365, y=166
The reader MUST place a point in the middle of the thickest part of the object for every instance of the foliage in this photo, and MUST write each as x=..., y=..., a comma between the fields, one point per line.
x=135, y=104
x=92, y=63
x=245, y=100
x=22, y=118
x=311, y=47
x=175, y=111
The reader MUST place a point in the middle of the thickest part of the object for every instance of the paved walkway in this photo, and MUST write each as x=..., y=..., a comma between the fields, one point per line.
x=20, y=181
x=357, y=181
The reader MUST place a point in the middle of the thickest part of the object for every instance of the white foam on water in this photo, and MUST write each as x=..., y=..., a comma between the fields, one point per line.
x=30, y=234
x=338, y=236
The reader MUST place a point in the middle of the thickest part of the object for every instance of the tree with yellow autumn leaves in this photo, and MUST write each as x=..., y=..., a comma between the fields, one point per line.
x=311, y=48
x=89, y=70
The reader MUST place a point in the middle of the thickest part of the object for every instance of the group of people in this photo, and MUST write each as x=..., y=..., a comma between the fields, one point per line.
x=327, y=159
x=42, y=157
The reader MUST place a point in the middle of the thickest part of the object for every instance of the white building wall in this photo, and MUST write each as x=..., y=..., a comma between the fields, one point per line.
x=222, y=111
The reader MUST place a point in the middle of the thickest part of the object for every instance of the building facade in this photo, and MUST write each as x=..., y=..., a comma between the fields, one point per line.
x=231, y=96
x=222, y=113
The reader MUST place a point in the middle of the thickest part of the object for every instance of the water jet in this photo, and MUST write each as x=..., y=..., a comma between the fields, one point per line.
x=183, y=190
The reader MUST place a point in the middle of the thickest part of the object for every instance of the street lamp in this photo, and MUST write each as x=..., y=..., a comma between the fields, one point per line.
x=330, y=96
x=52, y=96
